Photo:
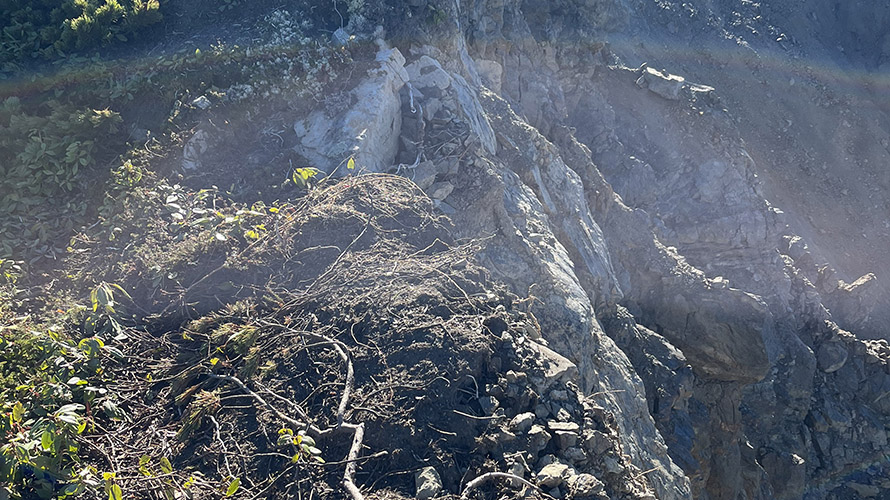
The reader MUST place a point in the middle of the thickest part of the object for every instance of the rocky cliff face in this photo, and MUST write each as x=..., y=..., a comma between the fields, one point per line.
x=630, y=208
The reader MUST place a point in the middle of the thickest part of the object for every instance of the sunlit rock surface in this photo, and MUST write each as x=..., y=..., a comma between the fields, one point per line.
x=656, y=226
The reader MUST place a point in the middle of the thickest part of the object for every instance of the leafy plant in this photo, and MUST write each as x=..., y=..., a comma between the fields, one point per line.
x=46, y=152
x=48, y=29
x=54, y=388
x=10, y=271
x=302, y=177
x=303, y=444
x=103, y=319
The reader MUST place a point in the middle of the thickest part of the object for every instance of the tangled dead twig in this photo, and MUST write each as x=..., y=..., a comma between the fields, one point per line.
x=312, y=430
x=342, y=351
x=358, y=430
x=488, y=476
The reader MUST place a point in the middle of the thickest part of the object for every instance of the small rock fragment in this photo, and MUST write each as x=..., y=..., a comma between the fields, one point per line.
x=662, y=83
x=194, y=149
x=517, y=469
x=566, y=439
x=340, y=37
x=831, y=357
x=523, y=422
x=537, y=439
x=585, y=486
x=440, y=190
x=489, y=404
x=503, y=437
x=426, y=73
x=201, y=102
x=553, y=425
x=612, y=465
x=597, y=443
x=553, y=475
x=516, y=377
x=559, y=395
x=424, y=174
x=574, y=455
x=547, y=460
x=556, y=367
x=428, y=483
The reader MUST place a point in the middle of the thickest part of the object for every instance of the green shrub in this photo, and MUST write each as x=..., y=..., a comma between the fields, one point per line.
x=43, y=154
x=48, y=29
x=54, y=387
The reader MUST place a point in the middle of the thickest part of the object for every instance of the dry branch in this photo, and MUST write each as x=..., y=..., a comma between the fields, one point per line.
x=488, y=476
x=313, y=430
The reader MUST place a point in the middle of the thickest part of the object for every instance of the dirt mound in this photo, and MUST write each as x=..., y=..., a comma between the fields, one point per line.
x=362, y=346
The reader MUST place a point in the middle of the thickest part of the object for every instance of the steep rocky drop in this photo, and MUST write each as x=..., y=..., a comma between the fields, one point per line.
x=629, y=206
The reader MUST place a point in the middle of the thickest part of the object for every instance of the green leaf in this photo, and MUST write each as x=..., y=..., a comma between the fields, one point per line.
x=69, y=418
x=114, y=351
x=233, y=487
x=115, y=493
x=72, y=490
x=104, y=295
x=144, y=460
x=91, y=346
x=18, y=411
x=121, y=290
x=112, y=410
x=70, y=408
x=351, y=164
x=46, y=440
x=166, y=466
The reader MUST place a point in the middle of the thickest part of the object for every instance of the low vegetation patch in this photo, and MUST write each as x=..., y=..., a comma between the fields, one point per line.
x=295, y=359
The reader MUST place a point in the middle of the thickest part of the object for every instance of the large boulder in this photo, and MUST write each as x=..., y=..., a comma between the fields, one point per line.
x=368, y=131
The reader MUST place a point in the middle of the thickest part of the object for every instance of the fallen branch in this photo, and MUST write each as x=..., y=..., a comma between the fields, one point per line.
x=474, y=417
x=358, y=430
x=221, y=443
x=475, y=483
x=313, y=430
x=343, y=352
x=365, y=458
x=349, y=473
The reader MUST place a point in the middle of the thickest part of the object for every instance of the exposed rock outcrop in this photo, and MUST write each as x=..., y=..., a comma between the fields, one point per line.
x=627, y=209
x=367, y=131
